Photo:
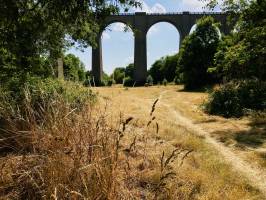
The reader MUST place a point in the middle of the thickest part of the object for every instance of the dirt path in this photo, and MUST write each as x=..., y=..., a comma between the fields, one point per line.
x=255, y=176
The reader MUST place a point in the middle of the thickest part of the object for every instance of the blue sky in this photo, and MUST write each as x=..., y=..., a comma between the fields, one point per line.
x=162, y=38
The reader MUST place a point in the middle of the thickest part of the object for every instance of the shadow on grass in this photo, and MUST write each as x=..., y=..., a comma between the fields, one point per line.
x=208, y=88
x=254, y=137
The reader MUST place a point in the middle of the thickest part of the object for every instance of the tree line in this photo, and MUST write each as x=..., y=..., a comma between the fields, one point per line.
x=236, y=61
x=34, y=33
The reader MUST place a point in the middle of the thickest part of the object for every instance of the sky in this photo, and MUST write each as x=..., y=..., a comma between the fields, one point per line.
x=162, y=38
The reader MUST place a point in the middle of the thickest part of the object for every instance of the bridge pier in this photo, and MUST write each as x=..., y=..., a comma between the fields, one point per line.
x=97, y=62
x=140, y=58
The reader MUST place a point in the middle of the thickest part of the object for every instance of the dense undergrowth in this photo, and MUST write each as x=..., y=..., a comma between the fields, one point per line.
x=235, y=99
x=57, y=143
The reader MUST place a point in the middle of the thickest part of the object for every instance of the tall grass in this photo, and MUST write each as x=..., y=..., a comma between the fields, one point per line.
x=55, y=146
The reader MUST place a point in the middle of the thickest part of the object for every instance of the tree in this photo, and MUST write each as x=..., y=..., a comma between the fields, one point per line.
x=156, y=71
x=129, y=71
x=119, y=75
x=74, y=69
x=169, y=67
x=164, y=68
x=32, y=29
x=243, y=55
x=197, y=52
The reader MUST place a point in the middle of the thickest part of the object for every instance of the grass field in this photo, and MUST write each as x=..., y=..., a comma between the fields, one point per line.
x=132, y=143
x=179, y=116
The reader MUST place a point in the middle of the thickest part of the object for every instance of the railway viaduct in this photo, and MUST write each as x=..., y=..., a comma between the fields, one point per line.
x=141, y=22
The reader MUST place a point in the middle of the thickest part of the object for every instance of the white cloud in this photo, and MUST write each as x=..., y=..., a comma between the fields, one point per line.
x=156, y=8
x=192, y=5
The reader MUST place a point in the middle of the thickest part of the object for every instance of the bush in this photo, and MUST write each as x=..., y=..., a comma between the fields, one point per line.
x=165, y=82
x=87, y=83
x=128, y=82
x=234, y=98
x=41, y=94
x=149, y=80
x=37, y=103
x=110, y=82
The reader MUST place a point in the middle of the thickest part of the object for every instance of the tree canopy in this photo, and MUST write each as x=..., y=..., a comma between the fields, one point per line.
x=35, y=30
x=243, y=55
x=119, y=75
x=164, y=68
x=197, y=53
x=74, y=69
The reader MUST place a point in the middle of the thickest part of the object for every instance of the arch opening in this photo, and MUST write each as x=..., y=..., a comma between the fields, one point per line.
x=117, y=47
x=163, y=43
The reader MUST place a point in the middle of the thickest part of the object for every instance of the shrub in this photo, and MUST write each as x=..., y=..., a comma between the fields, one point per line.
x=110, y=82
x=165, y=82
x=87, y=83
x=34, y=103
x=41, y=94
x=149, y=80
x=233, y=98
x=128, y=82
x=178, y=80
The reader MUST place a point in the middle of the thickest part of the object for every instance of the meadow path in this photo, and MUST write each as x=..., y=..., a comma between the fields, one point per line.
x=255, y=176
x=182, y=109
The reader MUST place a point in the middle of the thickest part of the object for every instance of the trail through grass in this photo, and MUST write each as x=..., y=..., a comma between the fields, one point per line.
x=181, y=110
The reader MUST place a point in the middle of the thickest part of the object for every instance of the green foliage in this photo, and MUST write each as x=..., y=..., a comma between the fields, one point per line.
x=228, y=5
x=156, y=71
x=149, y=80
x=129, y=71
x=74, y=69
x=31, y=30
x=105, y=80
x=40, y=93
x=118, y=75
x=196, y=54
x=164, y=68
x=233, y=98
x=243, y=54
x=170, y=65
x=128, y=82
x=110, y=82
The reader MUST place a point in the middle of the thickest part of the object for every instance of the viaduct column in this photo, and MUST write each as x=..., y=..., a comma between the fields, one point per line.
x=140, y=49
x=140, y=58
x=97, y=63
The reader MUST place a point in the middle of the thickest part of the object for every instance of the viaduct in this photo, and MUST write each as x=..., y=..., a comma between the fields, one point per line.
x=141, y=22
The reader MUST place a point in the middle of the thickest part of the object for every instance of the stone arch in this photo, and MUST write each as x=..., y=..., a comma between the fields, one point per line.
x=193, y=28
x=114, y=22
x=162, y=21
x=171, y=23
x=122, y=42
x=106, y=25
x=156, y=38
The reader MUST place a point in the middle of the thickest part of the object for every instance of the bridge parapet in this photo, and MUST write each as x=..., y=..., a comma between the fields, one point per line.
x=171, y=13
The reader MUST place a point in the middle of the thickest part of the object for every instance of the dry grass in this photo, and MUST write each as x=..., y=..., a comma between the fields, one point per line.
x=126, y=146
x=83, y=154
x=204, y=175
